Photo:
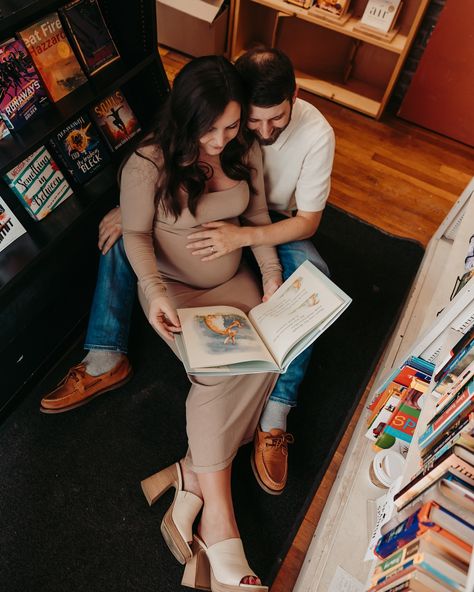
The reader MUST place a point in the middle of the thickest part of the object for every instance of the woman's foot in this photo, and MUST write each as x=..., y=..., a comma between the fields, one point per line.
x=214, y=528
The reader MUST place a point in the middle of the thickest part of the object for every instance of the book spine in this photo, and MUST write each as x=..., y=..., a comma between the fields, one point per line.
x=451, y=393
x=388, y=565
x=446, y=443
x=442, y=577
x=423, y=480
x=402, y=534
x=459, y=406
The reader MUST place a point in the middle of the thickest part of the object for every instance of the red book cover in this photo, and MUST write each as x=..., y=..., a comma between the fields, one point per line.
x=115, y=119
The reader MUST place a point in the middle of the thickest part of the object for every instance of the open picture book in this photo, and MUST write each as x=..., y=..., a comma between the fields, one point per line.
x=224, y=340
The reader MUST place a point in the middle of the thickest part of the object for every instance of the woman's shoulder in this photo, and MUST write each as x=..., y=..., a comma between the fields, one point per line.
x=145, y=160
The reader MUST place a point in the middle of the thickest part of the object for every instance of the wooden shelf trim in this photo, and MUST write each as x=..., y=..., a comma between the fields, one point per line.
x=338, y=93
x=397, y=45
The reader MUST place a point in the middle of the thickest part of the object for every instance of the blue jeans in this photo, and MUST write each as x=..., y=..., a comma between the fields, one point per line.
x=112, y=306
x=292, y=255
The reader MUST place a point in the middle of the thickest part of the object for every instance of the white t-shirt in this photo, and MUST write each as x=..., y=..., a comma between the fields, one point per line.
x=297, y=167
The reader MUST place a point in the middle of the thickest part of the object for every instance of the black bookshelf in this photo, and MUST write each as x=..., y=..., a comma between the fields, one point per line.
x=47, y=276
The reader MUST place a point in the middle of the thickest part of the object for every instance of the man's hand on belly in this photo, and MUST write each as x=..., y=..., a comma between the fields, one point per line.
x=217, y=239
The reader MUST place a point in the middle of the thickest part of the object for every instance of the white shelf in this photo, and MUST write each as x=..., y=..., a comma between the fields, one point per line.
x=341, y=538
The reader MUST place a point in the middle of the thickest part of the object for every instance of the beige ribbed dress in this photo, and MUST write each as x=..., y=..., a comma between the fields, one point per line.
x=221, y=412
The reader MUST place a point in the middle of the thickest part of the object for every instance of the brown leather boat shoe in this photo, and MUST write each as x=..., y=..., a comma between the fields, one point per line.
x=78, y=387
x=270, y=459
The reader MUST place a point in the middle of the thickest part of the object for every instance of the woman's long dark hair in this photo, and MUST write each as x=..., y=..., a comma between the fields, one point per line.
x=200, y=94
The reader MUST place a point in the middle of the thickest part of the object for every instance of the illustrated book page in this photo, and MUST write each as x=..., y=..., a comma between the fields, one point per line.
x=222, y=339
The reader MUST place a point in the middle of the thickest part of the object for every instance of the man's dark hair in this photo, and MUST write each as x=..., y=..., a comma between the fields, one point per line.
x=268, y=76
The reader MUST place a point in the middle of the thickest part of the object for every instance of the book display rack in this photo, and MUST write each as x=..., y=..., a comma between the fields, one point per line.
x=334, y=59
x=433, y=321
x=47, y=274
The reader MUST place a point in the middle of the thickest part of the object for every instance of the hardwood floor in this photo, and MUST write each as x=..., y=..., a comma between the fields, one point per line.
x=396, y=176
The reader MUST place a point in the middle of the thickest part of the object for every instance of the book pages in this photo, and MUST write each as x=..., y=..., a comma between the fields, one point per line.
x=220, y=335
x=304, y=302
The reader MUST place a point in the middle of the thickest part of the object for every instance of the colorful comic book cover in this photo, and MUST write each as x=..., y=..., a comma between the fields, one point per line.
x=22, y=96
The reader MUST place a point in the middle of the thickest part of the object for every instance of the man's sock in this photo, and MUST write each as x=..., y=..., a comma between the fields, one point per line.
x=274, y=416
x=99, y=361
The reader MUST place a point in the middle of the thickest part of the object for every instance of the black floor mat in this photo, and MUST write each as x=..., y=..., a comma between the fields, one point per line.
x=73, y=518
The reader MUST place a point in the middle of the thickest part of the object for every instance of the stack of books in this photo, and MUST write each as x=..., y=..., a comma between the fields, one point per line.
x=397, y=404
x=427, y=545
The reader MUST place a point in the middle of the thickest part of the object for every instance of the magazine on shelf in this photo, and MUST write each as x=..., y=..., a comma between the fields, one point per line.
x=218, y=340
x=10, y=227
x=53, y=56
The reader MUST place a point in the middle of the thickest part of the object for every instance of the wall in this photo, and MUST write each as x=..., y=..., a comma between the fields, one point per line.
x=421, y=40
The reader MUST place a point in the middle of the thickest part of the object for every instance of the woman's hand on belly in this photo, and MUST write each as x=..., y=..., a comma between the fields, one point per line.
x=217, y=239
x=163, y=318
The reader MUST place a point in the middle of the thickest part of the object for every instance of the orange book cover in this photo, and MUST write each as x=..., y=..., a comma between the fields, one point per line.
x=53, y=56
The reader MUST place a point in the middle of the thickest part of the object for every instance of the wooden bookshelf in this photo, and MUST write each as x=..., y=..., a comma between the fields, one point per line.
x=336, y=61
x=47, y=276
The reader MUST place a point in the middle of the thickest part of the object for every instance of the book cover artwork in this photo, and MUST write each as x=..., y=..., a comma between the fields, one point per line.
x=80, y=149
x=116, y=120
x=38, y=183
x=10, y=227
x=222, y=339
x=334, y=7
x=381, y=14
x=89, y=32
x=22, y=96
x=53, y=56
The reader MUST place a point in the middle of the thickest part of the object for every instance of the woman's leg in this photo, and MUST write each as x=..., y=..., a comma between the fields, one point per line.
x=218, y=519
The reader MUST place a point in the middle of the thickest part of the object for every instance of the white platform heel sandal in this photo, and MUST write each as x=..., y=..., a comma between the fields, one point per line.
x=177, y=523
x=219, y=568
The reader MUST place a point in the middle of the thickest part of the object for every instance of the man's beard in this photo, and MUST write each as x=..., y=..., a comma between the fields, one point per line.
x=273, y=138
x=275, y=134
